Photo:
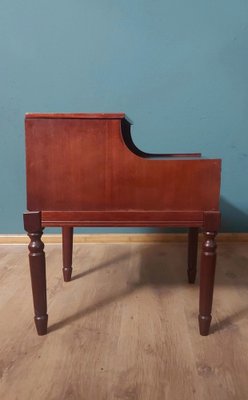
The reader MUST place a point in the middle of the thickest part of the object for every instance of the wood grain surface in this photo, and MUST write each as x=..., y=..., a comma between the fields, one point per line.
x=91, y=164
x=125, y=327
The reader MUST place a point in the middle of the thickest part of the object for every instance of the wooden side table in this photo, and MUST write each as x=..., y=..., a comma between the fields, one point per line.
x=83, y=170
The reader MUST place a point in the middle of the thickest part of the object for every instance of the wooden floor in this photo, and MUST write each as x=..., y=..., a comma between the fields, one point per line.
x=125, y=327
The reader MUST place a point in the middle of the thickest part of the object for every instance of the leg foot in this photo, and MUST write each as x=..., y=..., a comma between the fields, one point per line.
x=204, y=324
x=67, y=272
x=67, y=241
x=192, y=254
x=207, y=273
x=41, y=324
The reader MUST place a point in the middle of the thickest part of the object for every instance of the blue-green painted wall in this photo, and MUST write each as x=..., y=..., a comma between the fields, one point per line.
x=178, y=68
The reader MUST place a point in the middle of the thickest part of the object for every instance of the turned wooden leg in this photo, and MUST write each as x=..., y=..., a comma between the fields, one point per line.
x=207, y=272
x=32, y=224
x=192, y=254
x=67, y=238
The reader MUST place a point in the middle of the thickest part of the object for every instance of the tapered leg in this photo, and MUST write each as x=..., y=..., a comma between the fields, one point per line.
x=67, y=237
x=192, y=254
x=207, y=273
x=37, y=270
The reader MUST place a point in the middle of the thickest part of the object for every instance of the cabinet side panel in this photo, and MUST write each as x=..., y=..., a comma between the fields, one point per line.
x=84, y=165
x=65, y=161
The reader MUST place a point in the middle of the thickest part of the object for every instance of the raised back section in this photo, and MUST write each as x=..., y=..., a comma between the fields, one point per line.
x=88, y=162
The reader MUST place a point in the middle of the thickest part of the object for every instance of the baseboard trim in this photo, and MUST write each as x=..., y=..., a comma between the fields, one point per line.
x=121, y=238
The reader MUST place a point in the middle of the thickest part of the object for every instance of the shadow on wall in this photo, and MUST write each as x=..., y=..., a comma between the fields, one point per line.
x=233, y=219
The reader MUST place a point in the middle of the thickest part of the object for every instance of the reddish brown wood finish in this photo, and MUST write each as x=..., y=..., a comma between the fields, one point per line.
x=87, y=166
x=92, y=174
x=122, y=218
x=208, y=261
x=32, y=224
x=192, y=254
x=67, y=244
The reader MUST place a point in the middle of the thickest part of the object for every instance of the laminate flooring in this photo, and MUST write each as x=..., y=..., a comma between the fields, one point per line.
x=125, y=327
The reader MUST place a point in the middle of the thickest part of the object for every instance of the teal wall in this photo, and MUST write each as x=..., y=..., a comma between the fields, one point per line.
x=178, y=68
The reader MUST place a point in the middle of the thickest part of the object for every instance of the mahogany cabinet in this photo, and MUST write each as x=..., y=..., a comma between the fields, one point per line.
x=83, y=170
